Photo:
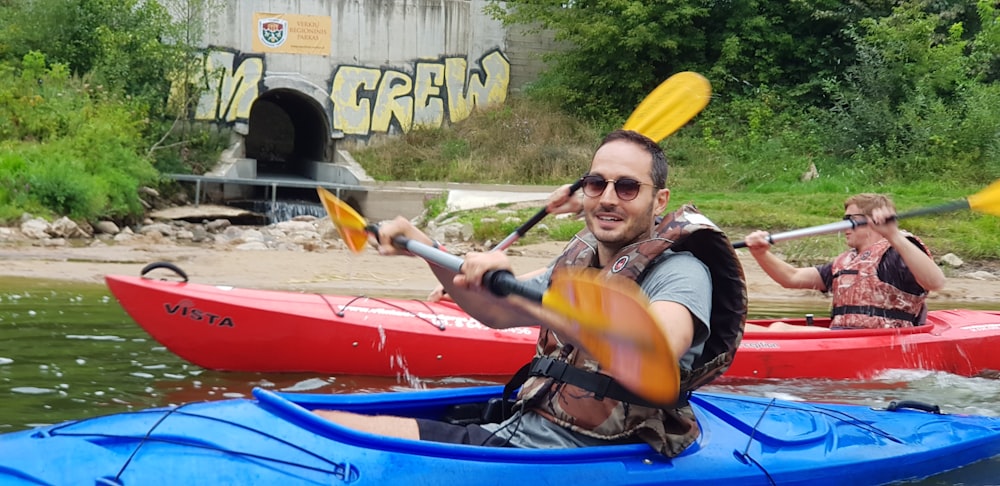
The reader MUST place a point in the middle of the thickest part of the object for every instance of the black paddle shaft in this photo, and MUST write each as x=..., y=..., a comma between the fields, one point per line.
x=540, y=215
x=500, y=282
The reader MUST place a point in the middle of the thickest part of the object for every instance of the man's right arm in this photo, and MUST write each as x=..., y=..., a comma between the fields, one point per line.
x=480, y=303
x=780, y=271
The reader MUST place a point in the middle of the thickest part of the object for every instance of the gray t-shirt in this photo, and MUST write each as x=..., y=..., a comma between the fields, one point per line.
x=675, y=277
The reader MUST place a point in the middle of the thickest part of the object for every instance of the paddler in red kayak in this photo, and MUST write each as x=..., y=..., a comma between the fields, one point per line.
x=881, y=281
x=686, y=267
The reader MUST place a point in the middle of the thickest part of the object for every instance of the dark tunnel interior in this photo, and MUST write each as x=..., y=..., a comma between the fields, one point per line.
x=287, y=130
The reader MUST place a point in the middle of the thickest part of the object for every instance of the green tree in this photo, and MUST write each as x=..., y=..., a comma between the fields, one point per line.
x=68, y=148
x=618, y=49
x=916, y=95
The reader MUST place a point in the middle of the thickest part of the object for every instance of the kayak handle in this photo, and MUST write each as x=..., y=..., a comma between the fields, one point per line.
x=914, y=404
x=169, y=266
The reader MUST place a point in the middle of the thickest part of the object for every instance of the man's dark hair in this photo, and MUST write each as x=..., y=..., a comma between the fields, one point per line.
x=659, y=169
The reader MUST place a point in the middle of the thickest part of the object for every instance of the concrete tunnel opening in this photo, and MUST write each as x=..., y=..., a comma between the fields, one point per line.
x=287, y=134
x=287, y=130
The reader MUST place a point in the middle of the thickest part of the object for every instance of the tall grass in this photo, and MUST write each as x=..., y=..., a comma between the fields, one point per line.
x=521, y=142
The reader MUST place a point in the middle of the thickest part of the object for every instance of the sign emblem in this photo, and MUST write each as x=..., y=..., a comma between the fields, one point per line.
x=619, y=264
x=272, y=32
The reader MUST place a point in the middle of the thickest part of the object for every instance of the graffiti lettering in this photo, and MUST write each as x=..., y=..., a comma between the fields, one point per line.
x=364, y=100
x=186, y=308
x=230, y=82
x=370, y=100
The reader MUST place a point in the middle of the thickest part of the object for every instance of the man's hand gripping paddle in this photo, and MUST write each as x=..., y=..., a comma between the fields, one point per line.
x=608, y=317
x=661, y=113
x=986, y=201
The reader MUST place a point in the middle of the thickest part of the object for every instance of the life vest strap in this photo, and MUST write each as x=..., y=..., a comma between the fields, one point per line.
x=867, y=310
x=599, y=384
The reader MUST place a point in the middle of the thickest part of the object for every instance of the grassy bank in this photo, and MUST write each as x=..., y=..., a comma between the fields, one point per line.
x=755, y=184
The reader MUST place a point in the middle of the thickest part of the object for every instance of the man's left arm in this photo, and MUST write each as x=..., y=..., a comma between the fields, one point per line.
x=924, y=270
x=677, y=323
x=680, y=289
x=927, y=273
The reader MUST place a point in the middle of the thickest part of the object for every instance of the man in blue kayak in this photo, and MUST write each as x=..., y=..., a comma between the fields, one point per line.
x=684, y=264
x=881, y=281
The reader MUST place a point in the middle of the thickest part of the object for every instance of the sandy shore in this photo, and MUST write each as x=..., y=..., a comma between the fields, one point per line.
x=339, y=271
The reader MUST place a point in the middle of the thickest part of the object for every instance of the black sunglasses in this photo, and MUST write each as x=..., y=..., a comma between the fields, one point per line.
x=855, y=218
x=626, y=189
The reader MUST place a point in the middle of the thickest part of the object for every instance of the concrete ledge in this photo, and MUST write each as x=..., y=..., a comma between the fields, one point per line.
x=386, y=200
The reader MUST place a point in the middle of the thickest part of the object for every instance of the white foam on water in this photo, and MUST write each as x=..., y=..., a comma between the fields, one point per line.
x=31, y=390
x=94, y=338
x=304, y=385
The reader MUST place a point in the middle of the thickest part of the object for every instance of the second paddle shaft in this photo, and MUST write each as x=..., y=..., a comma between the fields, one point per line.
x=850, y=223
x=540, y=215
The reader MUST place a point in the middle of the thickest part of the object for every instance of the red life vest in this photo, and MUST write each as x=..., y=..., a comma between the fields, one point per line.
x=861, y=300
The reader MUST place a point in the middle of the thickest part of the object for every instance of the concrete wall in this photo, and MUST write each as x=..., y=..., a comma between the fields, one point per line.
x=391, y=64
x=347, y=71
x=525, y=50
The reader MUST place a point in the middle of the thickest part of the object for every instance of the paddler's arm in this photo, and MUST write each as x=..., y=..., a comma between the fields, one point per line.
x=467, y=291
x=479, y=303
x=925, y=271
x=438, y=294
x=559, y=202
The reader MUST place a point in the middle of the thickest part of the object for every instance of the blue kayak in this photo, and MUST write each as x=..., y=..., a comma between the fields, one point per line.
x=275, y=439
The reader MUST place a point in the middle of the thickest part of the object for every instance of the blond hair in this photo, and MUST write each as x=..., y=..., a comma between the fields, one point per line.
x=868, y=202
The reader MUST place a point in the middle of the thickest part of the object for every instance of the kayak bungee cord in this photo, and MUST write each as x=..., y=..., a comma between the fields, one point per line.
x=843, y=417
x=746, y=451
x=343, y=309
x=340, y=470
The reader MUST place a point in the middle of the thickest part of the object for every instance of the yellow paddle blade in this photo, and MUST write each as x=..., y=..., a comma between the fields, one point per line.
x=610, y=318
x=670, y=106
x=349, y=223
x=988, y=200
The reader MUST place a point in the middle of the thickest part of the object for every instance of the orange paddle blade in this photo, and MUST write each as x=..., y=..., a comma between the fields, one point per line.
x=610, y=318
x=670, y=106
x=349, y=223
x=988, y=200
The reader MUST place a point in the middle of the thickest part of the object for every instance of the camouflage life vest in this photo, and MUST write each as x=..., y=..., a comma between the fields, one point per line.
x=861, y=300
x=668, y=430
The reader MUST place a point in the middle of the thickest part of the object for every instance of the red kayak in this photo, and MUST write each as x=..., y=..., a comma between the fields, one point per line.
x=962, y=342
x=233, y=329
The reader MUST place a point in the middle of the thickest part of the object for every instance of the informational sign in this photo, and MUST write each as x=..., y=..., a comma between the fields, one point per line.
x=291, y=33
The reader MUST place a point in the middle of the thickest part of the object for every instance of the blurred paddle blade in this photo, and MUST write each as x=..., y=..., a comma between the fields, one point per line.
x=670, y=106
x=988, y=200
x=349, y=223
x=610, y=318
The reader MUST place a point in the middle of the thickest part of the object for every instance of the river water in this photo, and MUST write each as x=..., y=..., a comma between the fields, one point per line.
x=68, y=350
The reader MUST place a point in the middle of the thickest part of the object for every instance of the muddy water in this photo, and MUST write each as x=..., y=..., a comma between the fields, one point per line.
x=67, y=350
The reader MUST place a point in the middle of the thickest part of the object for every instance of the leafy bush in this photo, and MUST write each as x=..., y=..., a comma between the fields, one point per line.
x=68, y=150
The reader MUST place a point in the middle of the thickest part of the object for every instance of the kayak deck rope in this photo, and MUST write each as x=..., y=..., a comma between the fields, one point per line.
x=339, y=470
x=843, y=417
x=342, y=311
